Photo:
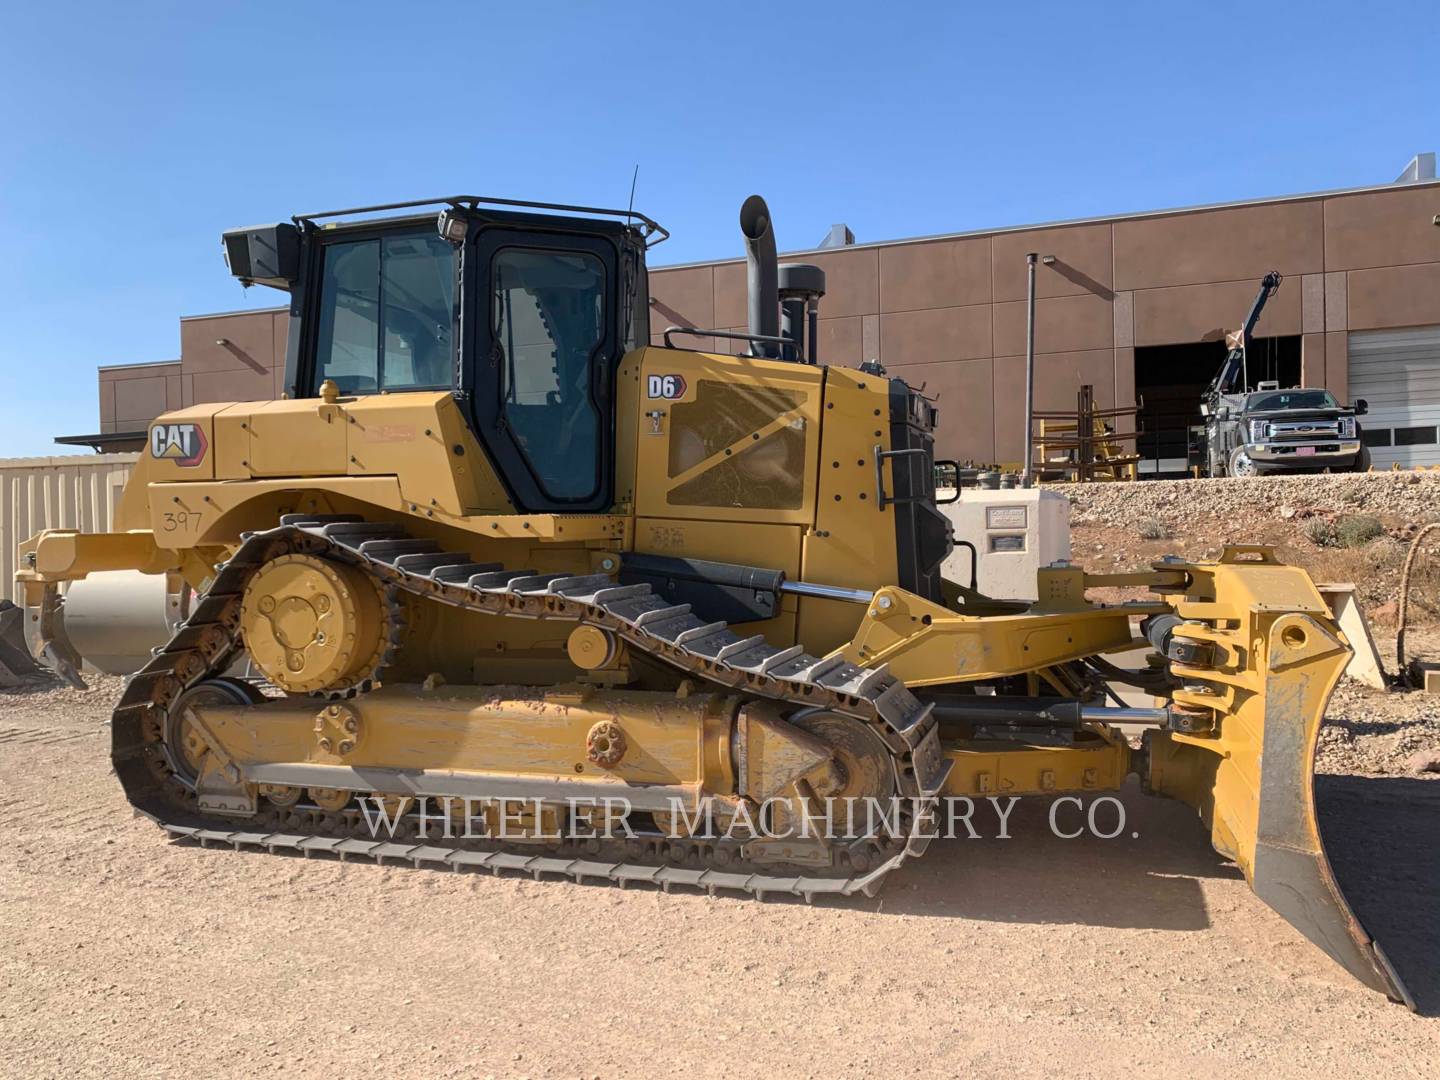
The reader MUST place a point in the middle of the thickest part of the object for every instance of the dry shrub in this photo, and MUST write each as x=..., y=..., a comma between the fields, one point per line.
x=1358, y=530
x=1386, y=551
x=1319, y=531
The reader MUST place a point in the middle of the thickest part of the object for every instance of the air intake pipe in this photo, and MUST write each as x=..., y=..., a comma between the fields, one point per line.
x=762, y=275
x=801, y=287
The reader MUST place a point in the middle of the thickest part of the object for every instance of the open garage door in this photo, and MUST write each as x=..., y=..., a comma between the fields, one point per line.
x=1398, y=373
x=1170, y=380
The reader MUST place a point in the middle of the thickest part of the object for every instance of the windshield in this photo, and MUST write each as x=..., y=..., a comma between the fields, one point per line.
x=386, y=313
x=1291, y=399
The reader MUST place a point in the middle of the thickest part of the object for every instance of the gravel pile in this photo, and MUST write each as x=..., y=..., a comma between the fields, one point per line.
x=1374, y=733
x=1398, y=497
x=1341, y=528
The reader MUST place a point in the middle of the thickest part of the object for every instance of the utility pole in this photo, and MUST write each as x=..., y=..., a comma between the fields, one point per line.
x=1027, y=478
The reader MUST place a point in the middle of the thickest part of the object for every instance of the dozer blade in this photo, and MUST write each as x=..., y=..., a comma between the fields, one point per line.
x=1268, y=681
x=16, y=666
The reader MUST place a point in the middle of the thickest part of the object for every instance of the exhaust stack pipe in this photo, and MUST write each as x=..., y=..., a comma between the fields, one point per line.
x=762, y=275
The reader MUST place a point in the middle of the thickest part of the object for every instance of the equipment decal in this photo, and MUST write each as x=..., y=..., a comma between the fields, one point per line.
x=183, y=444
x=668, y=387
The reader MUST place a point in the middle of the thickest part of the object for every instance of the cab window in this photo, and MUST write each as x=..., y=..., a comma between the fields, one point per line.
x=386, y=313
x=1292, y=399
x=547, y=324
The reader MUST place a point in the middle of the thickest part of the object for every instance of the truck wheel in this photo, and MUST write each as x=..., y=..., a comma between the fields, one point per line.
x=1240, y=463
x=1362, y=460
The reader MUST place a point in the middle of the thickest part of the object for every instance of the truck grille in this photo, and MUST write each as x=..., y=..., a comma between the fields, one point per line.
x=1303, y=430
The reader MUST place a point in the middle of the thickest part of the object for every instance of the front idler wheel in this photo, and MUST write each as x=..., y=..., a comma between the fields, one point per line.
x=185, y=747
x=864, y=766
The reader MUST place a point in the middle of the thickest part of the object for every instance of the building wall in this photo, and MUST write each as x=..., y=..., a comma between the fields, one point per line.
x=78, y=492
x=238, y=356
x=949, y=313
x=131, y=395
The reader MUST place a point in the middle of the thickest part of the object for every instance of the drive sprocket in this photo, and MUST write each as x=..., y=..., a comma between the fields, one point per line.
x=312, y=624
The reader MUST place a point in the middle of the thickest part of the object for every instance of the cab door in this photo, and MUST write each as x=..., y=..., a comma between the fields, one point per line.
x=543, y=309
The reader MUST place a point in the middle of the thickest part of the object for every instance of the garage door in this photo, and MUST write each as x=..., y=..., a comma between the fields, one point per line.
x=1398, y=373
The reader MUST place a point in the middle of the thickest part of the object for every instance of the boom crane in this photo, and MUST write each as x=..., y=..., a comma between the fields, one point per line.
x=1237, y=360
x=1249, y=430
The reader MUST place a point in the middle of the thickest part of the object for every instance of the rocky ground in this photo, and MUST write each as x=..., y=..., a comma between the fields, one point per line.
x=1126, y=526
x=1404, y=496
x=1117, y=527
x=1375, y=733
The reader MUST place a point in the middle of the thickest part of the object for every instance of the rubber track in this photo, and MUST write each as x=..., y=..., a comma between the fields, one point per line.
x=209, y=640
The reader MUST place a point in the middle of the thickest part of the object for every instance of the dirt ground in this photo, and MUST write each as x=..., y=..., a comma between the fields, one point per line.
x=122, y=954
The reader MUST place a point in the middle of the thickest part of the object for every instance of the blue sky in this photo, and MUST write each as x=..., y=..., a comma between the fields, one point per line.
x=132, y=135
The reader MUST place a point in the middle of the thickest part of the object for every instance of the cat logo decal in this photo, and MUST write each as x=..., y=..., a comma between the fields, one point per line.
x=183, y=444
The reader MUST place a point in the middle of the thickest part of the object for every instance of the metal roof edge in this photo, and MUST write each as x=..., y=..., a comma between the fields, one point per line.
x=125, y=457
x=1068, y=222
x=136, y=363
x=241, y=311
x=101, y=438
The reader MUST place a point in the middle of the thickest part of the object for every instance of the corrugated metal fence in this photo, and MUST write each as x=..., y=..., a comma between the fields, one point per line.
x=78, y=492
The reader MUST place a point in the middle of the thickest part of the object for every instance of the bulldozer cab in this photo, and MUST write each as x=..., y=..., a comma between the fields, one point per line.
x=523, y=315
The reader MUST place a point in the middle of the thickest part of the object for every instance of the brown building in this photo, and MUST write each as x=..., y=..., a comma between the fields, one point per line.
x=231, y=356
x=1135, y=305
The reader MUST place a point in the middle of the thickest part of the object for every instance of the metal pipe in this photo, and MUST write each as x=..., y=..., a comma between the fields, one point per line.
x=762, y=274
x=1402, y=670
x=696, y=331
x=1035, y=711
x=1106, y=714
x=474, y=201
x=986, y=708
x=792, y=326
x=1026, y=473
x=974, y=556
x=827, y=592
x=813, y=334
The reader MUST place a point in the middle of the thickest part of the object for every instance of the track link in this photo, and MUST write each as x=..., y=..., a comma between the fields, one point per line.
x=210, y=639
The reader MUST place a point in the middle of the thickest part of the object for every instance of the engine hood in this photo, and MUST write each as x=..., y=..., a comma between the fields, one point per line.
x=1299, y=414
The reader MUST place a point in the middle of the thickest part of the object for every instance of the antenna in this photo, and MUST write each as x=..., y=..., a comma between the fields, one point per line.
x=634, y=179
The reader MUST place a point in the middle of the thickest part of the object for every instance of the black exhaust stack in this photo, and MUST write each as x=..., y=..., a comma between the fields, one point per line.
x=794, y=288
x=762, y=275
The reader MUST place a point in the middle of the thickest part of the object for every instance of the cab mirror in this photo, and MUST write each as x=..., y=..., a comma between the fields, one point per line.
x=1361, y=406
x=1205, y=409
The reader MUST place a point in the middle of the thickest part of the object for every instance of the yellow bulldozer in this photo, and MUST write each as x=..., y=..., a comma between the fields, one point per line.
x=498, y=583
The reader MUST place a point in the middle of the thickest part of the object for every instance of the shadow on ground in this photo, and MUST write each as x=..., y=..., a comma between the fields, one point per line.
x=1146, y=881
x=1383, y=838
